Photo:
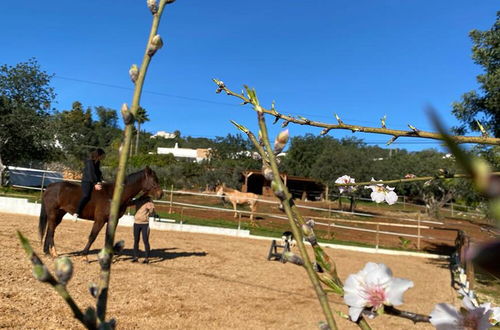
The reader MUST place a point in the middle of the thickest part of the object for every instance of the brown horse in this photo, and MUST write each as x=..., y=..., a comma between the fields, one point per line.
x=62, y=197
x=237, y=197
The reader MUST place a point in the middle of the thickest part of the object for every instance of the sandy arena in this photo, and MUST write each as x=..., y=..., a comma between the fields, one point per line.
x=195, y=281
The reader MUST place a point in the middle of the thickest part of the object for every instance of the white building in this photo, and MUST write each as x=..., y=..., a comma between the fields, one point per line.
x=195, y=155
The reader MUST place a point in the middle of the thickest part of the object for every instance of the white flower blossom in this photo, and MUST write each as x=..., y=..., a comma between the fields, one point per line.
x=447, y=317
x=373, y=287
x=381, y=193
x=343, y=180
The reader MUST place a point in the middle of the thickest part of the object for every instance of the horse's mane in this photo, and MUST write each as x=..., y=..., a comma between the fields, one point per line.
x=134, y=177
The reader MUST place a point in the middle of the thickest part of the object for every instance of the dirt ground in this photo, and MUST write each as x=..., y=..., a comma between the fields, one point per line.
x=195, y=281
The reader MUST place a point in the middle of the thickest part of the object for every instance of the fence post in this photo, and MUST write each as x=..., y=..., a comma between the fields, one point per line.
x=404, y=202
x=239, y=221
x=377, y=239
x=469, y=267
x=182, y=214
x=171, y=198
x=41, y=188
x=451, y=202
x=418, y=231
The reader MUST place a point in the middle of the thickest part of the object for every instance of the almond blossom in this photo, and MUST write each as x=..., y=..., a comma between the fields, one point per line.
x=381, y=193
x=373, y=287
x=346, y=179
x=447, y=317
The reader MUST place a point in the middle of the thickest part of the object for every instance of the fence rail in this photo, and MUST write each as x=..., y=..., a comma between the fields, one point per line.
x=329, y=222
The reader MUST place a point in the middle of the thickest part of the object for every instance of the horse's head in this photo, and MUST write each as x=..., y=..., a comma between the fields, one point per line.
x=150, y=184
x=219, y=190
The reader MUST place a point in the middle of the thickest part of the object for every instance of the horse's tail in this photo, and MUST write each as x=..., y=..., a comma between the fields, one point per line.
x=42, y=221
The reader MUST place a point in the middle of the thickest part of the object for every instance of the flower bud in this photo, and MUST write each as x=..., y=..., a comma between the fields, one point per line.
x=153, y=6
x=41, y=273
x=119, y=246
x=309, y=234
x=293, y=258
x=482, y=171
x=323, y=326
x=277, y=190
x=220, y=86
x=268, y=173
x=93, y=289
x=126, y=114
x=156, y=43
x=104, y=259
x=133, y=73
x=64, y=269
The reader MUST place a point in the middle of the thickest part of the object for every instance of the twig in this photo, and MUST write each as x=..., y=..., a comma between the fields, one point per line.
x=106, y=254
x=355, y=128
x=391, y=310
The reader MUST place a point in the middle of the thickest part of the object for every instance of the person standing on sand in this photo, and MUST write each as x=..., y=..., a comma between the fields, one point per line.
x=144, y=208
x=91, y=179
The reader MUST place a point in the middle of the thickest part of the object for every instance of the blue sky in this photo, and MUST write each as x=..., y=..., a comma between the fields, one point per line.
x=359, y=59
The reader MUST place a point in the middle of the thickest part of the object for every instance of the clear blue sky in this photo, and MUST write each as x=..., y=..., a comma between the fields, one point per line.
x=359, y=59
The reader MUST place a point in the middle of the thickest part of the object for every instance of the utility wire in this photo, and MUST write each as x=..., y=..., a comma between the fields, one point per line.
x=194, y=99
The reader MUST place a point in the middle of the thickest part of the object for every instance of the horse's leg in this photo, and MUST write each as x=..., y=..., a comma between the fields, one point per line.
x=235, y=209
x=53, y=220
x=252, y=209
x=59, y=216
x=96, y=228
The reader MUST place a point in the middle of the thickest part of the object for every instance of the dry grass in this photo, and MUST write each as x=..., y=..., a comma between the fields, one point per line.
x=195, y=282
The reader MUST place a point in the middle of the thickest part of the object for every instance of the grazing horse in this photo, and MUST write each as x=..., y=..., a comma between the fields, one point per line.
x=62, y=197
x=237, y=197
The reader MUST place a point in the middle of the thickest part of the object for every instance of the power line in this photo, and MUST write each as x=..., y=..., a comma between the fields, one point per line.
x=145, y=91
x=194, y=99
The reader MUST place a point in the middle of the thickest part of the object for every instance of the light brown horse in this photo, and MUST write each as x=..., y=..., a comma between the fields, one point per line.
x=62, y=197
x=237, y=197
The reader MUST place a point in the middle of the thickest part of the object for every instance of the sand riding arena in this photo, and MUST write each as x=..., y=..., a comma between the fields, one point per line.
x=195, y=281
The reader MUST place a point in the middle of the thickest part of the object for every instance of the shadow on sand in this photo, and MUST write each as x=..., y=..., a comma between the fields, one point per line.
x=155, y=255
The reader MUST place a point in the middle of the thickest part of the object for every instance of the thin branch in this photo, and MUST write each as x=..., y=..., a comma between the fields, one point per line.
x=414, y=132
x=391, y=310
x=405, y=180
x=287, y=202
x=106, y=254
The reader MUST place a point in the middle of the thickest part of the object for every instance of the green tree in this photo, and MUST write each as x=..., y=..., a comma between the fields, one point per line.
x=106, y=127
x=140, y=118
x=484, y=106
x=26, y=134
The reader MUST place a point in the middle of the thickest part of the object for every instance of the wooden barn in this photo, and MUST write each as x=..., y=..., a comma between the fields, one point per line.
x=299, y=187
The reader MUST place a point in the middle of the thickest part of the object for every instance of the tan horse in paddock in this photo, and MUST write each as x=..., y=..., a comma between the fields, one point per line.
x=237, y=197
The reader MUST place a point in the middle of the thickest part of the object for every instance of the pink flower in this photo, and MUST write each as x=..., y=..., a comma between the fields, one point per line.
x=373, y=287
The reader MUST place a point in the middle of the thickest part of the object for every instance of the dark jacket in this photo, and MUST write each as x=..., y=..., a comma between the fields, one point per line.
x=92, y=172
